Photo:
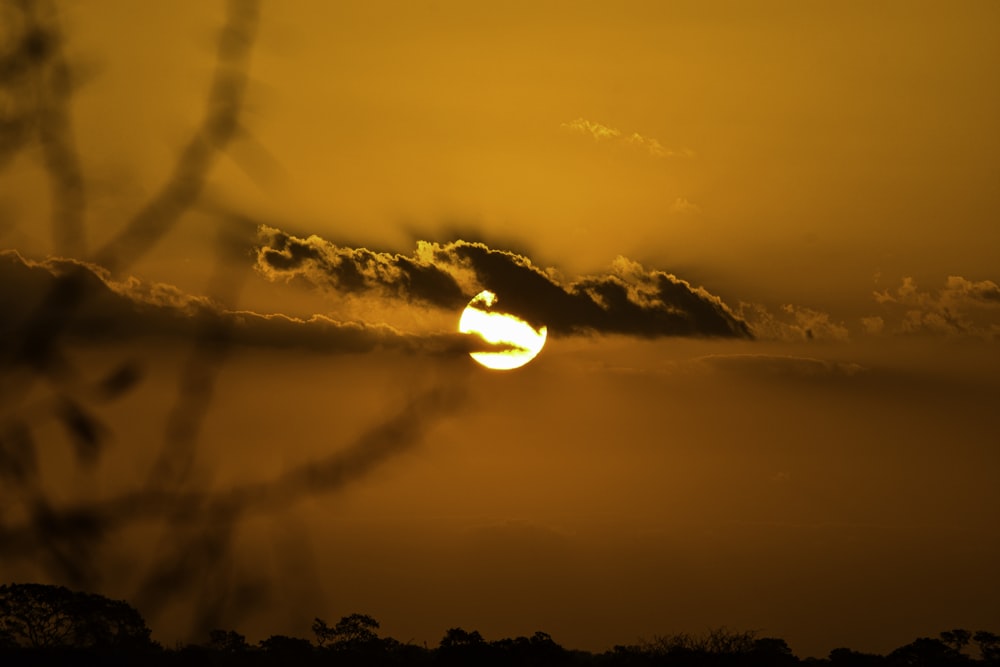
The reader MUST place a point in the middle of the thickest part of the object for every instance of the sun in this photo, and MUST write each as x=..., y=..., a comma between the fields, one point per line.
x=500, y=328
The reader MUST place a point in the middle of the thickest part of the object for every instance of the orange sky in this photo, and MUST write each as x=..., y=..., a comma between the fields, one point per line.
x=826, y=175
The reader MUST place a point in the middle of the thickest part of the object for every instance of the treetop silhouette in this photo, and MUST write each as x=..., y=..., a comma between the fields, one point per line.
x=45, y=624
x=44, y=616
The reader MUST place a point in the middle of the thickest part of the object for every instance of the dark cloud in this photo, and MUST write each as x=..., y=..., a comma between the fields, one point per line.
x=119, y=310
x=327, y=265
x=628, y=300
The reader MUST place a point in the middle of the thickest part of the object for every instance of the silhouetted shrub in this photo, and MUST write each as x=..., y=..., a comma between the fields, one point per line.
x=287, y=647
x=847, y=658
x=926, y=652
x=44, y=616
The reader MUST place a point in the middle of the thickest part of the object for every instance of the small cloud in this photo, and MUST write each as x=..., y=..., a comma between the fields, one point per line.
x=684, y=206
x=602, y=132
x=596, y=130
x=873, y=325
x=654, y=147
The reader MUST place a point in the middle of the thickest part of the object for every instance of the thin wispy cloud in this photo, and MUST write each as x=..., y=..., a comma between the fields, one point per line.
x=601, y=132
x=596, y=130
x=775, y=365
x=684, y=206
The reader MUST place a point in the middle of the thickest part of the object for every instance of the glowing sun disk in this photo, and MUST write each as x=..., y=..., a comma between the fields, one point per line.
x=500, y=328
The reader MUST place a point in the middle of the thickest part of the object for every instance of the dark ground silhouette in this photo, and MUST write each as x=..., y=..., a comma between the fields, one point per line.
x=45, y=625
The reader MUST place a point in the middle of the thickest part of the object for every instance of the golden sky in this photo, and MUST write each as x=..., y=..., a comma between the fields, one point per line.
x=763, y=237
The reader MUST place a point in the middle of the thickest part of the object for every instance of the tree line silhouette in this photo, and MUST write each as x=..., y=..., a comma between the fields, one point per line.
x=42, y=624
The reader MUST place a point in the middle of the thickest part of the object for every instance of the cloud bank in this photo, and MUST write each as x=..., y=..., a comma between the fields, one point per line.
x=962, y=307
x=122, y=310
x=629, y=299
